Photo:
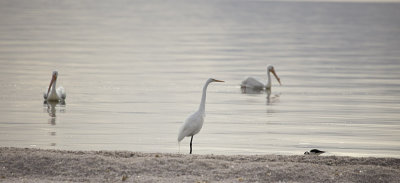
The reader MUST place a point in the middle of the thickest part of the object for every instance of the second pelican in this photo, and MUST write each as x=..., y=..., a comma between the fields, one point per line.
x=253, y=83
x=53, y=93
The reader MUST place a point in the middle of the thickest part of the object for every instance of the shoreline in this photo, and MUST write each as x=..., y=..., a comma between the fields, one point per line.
x=33, y=165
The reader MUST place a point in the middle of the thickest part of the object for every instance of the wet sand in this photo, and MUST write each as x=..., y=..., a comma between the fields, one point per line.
x=34, y=165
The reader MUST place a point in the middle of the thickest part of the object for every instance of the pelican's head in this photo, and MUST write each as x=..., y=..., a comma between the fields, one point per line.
x=53, y=79
x=54, y=75
x=271, y=68
x=214, y=80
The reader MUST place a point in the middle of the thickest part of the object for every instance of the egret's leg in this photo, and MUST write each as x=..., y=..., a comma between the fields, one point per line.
x=191, y=144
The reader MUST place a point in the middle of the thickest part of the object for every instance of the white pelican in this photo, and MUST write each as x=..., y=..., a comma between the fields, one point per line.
x=314, y=152
x=194, y=122
x=253, y=83
x=52, y=93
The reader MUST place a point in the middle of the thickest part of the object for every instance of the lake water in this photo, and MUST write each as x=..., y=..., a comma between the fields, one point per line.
x=134, y=70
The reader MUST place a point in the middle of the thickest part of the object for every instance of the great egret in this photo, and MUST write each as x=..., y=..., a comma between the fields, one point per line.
x=194, y=122
x=52, y=93
x=314, y=152
x=253, y=83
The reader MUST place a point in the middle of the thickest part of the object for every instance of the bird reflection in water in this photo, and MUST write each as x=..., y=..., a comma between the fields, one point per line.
x=251, y=91
x=271, y=99
x=51, y=109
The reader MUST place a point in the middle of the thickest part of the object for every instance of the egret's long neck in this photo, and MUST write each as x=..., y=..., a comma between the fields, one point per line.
x=269, y=80
x=203, y=99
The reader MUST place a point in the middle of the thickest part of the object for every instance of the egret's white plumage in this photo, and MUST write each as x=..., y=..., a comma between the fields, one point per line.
x=194, y=122
x=253, y=83
x=53, y=93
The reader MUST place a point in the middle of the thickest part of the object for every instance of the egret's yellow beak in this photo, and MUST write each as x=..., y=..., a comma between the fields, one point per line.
x=216, y=80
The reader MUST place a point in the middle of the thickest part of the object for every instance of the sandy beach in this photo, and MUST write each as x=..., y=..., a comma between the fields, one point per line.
x=34, y=165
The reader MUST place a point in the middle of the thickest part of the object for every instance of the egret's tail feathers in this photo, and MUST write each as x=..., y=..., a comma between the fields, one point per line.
x=180, y=137
x=181, y=134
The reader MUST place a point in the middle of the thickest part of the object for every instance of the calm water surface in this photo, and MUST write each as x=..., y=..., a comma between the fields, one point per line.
x=134, y=70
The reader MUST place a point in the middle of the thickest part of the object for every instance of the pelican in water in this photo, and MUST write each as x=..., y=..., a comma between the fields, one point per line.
x=52, y=93
x=194, y=122
x=252, y=83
